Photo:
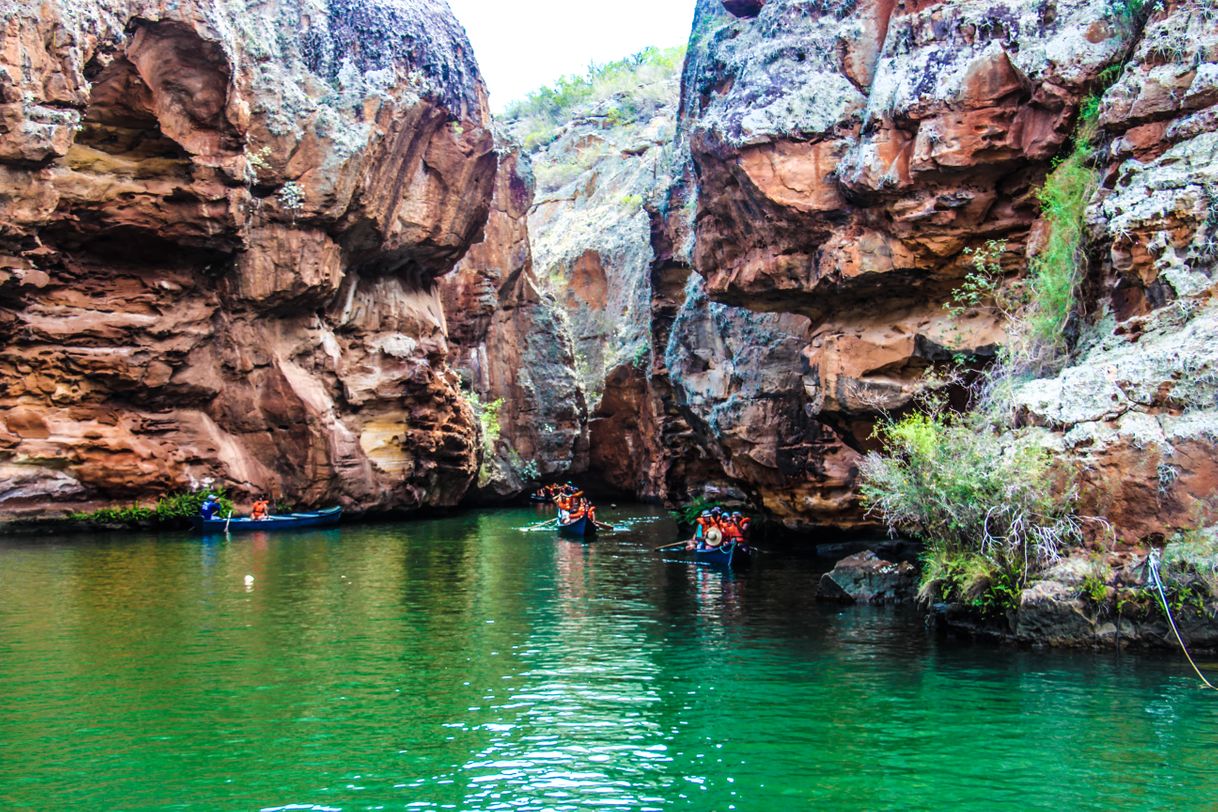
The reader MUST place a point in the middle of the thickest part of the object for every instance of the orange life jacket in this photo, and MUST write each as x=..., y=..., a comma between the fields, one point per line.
x=259, y=509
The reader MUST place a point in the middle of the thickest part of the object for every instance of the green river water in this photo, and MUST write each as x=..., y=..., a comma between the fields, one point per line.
x=459, y=663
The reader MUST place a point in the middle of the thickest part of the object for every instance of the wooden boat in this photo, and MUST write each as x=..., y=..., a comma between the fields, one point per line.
x=284, y=521
x=731, y=555
x=582, y=528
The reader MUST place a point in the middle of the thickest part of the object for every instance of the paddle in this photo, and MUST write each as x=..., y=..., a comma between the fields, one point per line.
x=603, y=526
x=671, y=546
x=539, y=525
x=226, y=521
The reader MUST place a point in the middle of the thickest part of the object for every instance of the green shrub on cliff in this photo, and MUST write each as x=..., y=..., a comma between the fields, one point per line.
x=128, y=516
x=487, y=414
x=172, y=510
x=1190, y=563
x=182, y=507
x=1038, y=310
x=990, y=511
x=626, y=89
x=688, y=513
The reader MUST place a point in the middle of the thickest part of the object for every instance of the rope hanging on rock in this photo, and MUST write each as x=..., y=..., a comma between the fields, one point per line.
x=1152, y=563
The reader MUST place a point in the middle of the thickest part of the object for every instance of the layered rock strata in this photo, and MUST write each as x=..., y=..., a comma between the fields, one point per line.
x=220, y=231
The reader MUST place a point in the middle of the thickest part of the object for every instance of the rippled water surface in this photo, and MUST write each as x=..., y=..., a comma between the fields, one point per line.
x=462, y=664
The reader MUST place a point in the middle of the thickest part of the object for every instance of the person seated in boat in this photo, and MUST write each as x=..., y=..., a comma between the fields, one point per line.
x=713, y=540
x=259, y=511
x=701, y=525
x=564, y=504
x=743, y=522
x=730, y=528
x=209, y=508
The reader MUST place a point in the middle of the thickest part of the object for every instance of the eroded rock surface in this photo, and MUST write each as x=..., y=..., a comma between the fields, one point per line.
x=220, y=231
x=843, y=164
x=511, y=344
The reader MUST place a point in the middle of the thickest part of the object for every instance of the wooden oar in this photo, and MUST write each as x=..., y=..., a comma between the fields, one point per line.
x=603, y=526
x=540, y=525
x=675, y=544
x=226, y=521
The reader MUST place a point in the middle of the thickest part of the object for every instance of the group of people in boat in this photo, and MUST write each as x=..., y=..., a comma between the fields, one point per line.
x=717, y=527
x=571, y=501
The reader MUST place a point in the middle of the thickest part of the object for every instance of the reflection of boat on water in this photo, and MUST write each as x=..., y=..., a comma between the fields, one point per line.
x=287, y=521
x=581, y=528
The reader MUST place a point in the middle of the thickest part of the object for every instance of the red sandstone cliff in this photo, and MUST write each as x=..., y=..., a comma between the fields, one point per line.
x=843, y=160
x=219, y=240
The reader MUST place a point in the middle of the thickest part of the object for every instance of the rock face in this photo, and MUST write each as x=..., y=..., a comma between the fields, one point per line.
x=867, y=578
x=845, y=161
x=590, y=231
x=220, y=231
x=1137, y=408
x=511, y=345
x=834, y=172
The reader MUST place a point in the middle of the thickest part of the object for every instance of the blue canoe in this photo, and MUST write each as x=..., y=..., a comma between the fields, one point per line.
x=578, y=529
x=284, y=521
x=731, y=555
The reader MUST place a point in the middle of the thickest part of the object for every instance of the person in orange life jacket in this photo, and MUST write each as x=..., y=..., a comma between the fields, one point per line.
x=731, y=529
x=743, y=523
x=259, y=510
x=702, y=524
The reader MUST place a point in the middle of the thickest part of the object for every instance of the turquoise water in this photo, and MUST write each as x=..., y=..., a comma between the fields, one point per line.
x=462, y=664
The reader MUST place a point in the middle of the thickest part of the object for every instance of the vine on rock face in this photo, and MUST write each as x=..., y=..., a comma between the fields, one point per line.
x=1058, y=269
x=487, y=414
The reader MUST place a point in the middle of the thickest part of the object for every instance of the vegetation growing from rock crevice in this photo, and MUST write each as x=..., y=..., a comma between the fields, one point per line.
x=1190, y=568
x=1059, y=267
x=991, y=510
x=489, y=429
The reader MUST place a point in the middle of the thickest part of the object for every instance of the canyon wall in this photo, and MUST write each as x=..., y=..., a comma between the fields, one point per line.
x=220, y=232
x=835, y=171
x=1136, y=409
x=511, y=345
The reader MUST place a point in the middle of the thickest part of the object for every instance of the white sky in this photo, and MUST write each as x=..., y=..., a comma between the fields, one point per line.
x=524, y=44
